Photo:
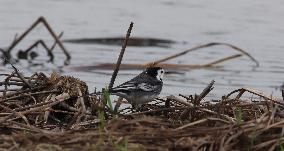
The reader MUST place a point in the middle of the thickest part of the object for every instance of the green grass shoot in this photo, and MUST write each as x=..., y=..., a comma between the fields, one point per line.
x=107, y=98
x=239, y=115
x=122, y=146
x=102, y=121
x=280, y=146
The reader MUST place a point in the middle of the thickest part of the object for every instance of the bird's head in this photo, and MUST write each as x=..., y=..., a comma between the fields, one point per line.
x=156, y=72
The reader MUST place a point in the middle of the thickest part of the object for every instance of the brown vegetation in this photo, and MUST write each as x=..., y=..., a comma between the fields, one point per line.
x=49, y=113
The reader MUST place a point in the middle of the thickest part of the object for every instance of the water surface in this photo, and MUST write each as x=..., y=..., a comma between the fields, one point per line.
x=255, y=26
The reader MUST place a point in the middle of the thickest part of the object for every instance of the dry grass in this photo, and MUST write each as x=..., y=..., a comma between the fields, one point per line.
x=49, y=115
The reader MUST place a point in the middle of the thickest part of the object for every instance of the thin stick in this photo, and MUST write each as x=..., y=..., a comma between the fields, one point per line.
x=18, y=39
x=27, y=94
x=12, y=83
x=48, y=27
x=199, y=98
x=190, y=105
x=222, y=60
x=41, y=42
x=120, y=56
x=35, y=105
x=55, y=42
x=191, y=124
x=16, y=113
x=18, y=92
x=242, y=90
x=19, y=74
x=203, y=46
x=59, y=98
x=205, y=91
x=110, y=66
x=56, y=38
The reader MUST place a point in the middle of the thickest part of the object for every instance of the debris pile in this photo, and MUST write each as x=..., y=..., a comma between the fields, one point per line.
x=56, y=112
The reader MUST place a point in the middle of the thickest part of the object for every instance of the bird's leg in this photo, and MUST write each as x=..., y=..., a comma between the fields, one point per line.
x=117, y=105
x=135, y=107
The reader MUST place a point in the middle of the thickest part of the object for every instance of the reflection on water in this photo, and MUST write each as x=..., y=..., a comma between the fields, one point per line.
x=254, y=26
x=132, y=41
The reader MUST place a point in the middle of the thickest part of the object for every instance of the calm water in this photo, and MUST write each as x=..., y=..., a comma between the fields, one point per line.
x=255, y=26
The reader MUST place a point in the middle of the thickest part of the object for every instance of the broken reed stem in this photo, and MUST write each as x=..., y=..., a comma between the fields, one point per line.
x=185, y=113
x=205, y=91
x=4, y=74
x=222, y=60
x=23, y=35
x=192, y=124
x=110, y=66
x=18, y=39
x=19, y=74
x=41, y=42
x=19, y=92
x=55, y=42
x=203, y=46
x=243, y=90
x=120, y=56
x=12, y=83
x=60, y=44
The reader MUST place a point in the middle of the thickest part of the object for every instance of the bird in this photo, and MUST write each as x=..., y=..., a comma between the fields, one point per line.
x=143, y=88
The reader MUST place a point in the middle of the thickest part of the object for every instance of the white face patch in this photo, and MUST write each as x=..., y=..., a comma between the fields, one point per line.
x=160, y=74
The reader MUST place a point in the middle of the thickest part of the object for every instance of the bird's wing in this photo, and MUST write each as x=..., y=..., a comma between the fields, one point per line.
x=140, y=82
x=146, y=87
x=127, y=86
x=130, y=86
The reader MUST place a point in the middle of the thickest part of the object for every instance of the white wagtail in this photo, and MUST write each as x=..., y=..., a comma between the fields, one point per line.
x=143, y=88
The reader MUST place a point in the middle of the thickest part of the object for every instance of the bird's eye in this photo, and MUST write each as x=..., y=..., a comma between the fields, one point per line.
x=162, y=71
